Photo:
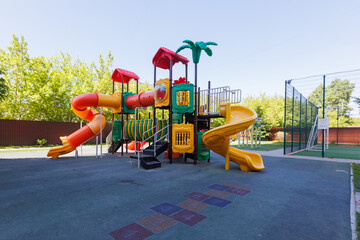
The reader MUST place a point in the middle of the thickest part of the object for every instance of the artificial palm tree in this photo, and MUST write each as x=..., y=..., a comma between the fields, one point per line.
x=196, y=49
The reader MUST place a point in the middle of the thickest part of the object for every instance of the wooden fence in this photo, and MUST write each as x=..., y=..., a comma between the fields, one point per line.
x=22, y=132
x=349, y=135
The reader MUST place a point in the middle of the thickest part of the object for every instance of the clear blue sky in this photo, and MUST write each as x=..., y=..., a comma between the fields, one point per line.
x=261, y=43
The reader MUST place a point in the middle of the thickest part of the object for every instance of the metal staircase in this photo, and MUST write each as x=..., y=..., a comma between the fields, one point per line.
x=147, y=156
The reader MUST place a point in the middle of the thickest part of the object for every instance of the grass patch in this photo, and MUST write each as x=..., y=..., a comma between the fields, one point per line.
x=345, y=152
x=356, y=180
x=26, y=146
x=34, y=148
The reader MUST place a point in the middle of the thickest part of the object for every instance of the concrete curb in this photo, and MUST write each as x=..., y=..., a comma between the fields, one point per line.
x=352, y=206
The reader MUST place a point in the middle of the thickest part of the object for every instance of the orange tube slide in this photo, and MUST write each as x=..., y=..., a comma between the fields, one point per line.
x=81, y=107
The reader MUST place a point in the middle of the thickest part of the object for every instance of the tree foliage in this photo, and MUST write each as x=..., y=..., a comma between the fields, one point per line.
x=3, y=87
x=269, y=108
x=42, y=88
x=337, y=94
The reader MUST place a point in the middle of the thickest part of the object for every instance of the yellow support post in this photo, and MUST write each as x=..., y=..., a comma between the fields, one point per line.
x=225, y=110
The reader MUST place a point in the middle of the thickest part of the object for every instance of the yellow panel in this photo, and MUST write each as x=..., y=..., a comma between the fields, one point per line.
x=117, y=110
x=182, y=98
x=183, y=138
x=166, y=101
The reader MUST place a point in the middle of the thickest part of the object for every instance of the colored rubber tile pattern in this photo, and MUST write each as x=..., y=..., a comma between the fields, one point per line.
x=186, y=212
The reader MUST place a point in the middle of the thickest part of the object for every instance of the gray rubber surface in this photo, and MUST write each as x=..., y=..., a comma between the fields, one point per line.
x=87, y=198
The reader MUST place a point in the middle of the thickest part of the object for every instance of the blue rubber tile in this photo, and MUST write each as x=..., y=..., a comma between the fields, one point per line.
x=218, y=202
x=167, y=209
x=219, y=187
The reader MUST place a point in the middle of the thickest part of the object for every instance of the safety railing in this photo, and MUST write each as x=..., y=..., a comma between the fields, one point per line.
x=210, y=99
x=163, y=137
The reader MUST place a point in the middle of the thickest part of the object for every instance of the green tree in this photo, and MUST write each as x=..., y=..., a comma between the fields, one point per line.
x=357, y=101
x=42, y=88
x=269, y=108
x=337, y=94
x=3, y=87
x=15, y=63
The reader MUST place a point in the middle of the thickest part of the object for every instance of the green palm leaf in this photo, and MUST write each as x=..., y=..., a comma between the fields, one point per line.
x=191, y=43
x=208, y=51
x=212, y=43
x=182, y=48
x=201, y=45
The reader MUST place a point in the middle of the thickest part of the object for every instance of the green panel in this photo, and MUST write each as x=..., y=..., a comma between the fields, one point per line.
x=176, y=117
x=203, y=153
x=126, y=109
x=183, y=87
x=116, y=131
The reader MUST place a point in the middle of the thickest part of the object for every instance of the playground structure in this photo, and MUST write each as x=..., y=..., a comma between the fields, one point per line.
x=186, y=131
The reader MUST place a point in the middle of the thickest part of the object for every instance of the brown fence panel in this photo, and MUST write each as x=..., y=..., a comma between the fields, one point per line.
x=22, y=132
x=349, y=135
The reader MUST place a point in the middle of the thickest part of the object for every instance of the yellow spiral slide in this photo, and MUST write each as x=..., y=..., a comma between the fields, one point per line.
x=238, y=118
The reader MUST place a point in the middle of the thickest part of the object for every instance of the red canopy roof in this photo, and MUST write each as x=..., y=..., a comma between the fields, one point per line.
x=163, y=56
x=119, y=74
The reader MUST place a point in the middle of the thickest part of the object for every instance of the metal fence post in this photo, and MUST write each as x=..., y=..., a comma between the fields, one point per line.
x=286, y=83
x=300, y=122
x=101, y=129
x=292, y=118
x=323, y=131
x=306, y=121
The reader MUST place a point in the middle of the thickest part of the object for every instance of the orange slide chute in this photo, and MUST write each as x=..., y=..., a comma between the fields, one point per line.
x=81, y=106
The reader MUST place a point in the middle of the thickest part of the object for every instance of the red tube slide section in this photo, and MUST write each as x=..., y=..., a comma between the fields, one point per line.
x=144, y=99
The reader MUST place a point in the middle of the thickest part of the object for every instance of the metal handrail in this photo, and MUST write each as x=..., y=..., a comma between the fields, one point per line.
x=155, y=137
x=148, y=131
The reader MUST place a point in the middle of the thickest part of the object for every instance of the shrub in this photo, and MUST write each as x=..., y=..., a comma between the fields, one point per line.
x=41, y=142
x=279, y=136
